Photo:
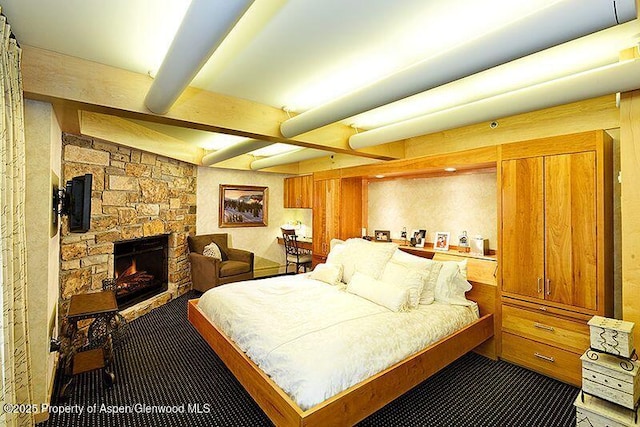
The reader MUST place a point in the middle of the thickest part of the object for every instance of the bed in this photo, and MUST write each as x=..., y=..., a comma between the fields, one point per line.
x=281, y=351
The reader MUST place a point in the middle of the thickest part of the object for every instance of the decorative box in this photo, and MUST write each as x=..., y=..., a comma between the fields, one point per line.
x=611, y=336
x=594, y=412
x=479, y=246
x=611, y=378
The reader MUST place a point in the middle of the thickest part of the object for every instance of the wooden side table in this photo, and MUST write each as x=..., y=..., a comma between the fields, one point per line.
x=98, y=352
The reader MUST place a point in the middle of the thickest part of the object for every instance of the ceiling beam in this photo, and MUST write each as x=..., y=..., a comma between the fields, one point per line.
x=90, y=86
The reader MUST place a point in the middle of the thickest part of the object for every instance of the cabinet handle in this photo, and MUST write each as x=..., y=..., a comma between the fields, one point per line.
x=539, y=284
x=548, y=286
x=543, y=357
x=545, y=327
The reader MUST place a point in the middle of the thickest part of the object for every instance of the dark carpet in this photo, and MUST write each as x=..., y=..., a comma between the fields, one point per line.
x=163, y=364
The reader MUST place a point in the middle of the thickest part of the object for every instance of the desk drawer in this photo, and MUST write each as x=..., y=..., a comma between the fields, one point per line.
x=552, y=361
x=572, y=335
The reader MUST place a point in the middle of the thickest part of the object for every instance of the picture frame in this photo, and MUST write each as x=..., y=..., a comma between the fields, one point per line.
x=441, y=241
x=243, y=206
x=419, y=236
x=382, y=236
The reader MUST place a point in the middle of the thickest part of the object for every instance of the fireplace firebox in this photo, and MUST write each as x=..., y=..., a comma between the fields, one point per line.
x=140, y=269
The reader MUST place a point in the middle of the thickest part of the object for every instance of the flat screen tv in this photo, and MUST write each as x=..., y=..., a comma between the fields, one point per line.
x=77, y=203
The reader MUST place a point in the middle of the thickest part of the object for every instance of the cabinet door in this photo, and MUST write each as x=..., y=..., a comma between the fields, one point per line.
x=523, y=227
x=570, y=206
x=326, y=220
x=290, y=192
x=306, y=191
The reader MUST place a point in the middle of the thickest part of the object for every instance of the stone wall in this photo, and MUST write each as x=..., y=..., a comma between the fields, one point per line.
x=134, y=194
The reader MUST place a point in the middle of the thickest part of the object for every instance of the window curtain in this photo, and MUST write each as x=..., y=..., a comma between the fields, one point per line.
x=14, y=345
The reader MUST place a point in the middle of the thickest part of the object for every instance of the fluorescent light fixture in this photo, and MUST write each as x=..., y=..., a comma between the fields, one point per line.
x=220, y=141
x=620, y=77
x=450, y=169
x=233, y=151
x=379, y=176
x=205, y=25
x=274, y=150
x=287, y=158
x=514, y=40
x=586, y=53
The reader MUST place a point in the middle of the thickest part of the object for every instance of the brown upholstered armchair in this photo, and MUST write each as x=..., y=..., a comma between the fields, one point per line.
x=207, y=272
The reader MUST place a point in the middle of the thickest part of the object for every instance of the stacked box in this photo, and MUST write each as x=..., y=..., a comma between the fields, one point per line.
x=594, y=412
x=610, y=378
x=612, y=336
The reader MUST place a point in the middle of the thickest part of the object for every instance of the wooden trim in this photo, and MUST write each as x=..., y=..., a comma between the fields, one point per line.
x=358, y=401
x=86, y=85
x=564, y=144
x=476, y=159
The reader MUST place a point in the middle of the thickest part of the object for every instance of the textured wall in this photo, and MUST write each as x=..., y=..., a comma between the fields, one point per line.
x=135, y=194
x=456, y=203
x=269, y=256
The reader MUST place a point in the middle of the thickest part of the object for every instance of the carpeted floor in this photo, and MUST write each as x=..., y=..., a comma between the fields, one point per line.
x=164, y=364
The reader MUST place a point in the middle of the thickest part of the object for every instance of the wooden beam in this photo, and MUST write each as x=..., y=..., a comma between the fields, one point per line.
x=90, y=86
x=591, y=114
x=125, y=132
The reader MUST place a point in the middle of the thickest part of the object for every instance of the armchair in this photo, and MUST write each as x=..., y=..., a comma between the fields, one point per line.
x=207, y=272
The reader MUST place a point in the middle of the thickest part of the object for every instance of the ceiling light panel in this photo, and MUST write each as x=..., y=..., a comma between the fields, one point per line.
x=290, y=51
x=274, y=150
x=579, y=55
x=129, y=34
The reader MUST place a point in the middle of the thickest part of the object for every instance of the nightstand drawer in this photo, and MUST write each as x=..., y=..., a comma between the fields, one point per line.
x=572, y=335
x=552, y=361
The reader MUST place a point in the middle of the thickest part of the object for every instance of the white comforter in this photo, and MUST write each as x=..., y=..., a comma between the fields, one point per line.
x=315, y=340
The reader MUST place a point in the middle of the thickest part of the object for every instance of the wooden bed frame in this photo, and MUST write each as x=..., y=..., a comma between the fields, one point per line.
x=364, y=398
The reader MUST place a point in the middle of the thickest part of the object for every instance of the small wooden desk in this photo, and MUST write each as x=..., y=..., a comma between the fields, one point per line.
x=302, y=243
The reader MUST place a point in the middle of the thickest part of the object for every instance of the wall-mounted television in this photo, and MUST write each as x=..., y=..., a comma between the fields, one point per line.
x=75, y=202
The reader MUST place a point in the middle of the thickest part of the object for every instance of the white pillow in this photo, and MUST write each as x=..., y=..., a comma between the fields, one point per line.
x=411, y=279
x=429, y=267
x=411, y=261
x=388, y=295
x=457, y=289
x=449, y=270
x=212, y=250
x=429, y=291
x=328, y=273
x=364, y=256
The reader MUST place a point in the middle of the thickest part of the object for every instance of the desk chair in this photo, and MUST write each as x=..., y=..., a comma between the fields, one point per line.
x=294, y=254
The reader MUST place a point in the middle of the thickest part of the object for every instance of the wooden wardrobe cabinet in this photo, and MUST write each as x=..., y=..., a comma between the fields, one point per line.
x=337, y=213
x=298, y=192
x=556, y=248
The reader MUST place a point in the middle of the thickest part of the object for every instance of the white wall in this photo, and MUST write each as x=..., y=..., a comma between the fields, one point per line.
x=269, y=256
x=43, y=155
x=455, y=204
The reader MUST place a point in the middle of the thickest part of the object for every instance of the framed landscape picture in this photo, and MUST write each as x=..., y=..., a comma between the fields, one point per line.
x=243, y=206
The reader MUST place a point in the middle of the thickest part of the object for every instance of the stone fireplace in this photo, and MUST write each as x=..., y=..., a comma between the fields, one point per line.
x=135, y=196
x=140, y=269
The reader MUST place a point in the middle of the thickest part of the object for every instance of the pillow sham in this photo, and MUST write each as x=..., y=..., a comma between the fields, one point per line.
x=213, y=251
x=429, y=267
x=328, y=273
x=357, y=254
x=445, y=283
x=410, y=279
x=456, y=291
x=388, y=295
